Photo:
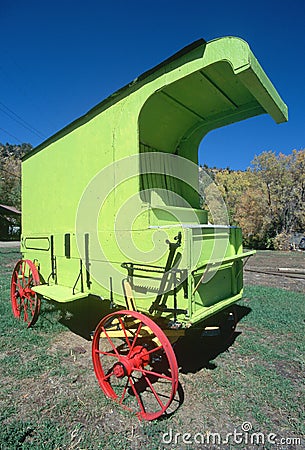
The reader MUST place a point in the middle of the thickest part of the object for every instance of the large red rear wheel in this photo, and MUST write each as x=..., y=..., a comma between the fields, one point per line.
x=25, y=302
x=135, y=364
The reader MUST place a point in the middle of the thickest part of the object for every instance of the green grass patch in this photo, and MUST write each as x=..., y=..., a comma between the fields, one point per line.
x=50, y=399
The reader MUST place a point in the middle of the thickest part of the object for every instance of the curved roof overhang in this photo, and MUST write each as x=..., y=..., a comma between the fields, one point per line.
x=224, y=85
x=204, y=86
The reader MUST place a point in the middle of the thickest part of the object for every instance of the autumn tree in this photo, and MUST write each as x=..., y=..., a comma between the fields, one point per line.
x=232, y=185
x=267, y=200
x=10, y=173
x=10, y=182
x=283, y=178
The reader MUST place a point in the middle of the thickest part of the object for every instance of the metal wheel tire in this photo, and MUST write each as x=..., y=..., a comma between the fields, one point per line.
x=139, y=369
x=25, y=302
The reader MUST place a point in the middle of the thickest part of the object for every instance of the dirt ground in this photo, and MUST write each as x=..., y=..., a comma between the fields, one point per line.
x=262, y=269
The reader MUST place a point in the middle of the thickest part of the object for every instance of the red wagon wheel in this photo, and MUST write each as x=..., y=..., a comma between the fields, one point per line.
x=25, y=302
x=135, y=364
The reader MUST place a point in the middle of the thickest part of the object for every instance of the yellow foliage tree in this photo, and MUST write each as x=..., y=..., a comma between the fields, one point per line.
x=268, y=199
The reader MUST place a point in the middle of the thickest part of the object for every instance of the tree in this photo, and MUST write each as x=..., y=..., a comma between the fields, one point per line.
x=284, y=179
x=10, y=173
x=268, y=199
x=10, y=183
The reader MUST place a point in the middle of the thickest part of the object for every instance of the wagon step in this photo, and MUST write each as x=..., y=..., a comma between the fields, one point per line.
x=58, y=293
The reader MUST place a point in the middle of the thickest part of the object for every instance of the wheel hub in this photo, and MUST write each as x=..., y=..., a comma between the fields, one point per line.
x=119, y=370
x=138, y=358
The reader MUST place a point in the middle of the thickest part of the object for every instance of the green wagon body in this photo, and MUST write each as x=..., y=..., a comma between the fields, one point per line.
x=111, y=208
x=167, y=110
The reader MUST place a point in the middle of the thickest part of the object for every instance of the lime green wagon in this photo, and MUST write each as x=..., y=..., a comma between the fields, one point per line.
x=111, y=207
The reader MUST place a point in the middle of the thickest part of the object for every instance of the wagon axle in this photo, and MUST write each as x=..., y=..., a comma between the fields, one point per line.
x=137, y=359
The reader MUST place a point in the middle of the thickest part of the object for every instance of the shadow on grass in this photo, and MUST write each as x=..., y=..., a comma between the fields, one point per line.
x=175, y=405
x=195, y=352
x=82, y=316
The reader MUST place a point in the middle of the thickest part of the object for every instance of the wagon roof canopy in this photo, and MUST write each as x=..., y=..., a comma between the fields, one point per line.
x=204, y=86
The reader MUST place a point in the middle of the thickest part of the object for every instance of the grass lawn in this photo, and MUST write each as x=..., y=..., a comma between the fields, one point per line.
x=50, y=399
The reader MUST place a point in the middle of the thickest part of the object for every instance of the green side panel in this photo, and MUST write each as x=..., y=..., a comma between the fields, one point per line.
x=219, y=288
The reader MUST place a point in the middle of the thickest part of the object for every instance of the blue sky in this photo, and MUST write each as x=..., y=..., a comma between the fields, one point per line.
x=60, y=58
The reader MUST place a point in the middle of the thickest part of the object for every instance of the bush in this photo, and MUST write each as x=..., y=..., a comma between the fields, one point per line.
x=282, y=241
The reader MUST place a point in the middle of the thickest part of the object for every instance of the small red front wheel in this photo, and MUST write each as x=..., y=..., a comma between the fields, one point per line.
x=25, y=302
x=135, y=364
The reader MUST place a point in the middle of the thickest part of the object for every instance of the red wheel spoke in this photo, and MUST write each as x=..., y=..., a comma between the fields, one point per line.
x=110, y=342
x=108, y=376
x=18, y=284
x=22, y=272
x=27, y=299
x=124, y=331
x=135, y=338
x=154, y=350
x=25, y=313
x=124, y=391
x=154, y=391
x=137, y=395
x=106, y=353
x=32, y=306
x=150, y=372
x=30, y=280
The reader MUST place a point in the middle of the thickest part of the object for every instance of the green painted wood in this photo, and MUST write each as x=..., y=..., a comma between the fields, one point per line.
x=167, y=110
x=61, y=294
